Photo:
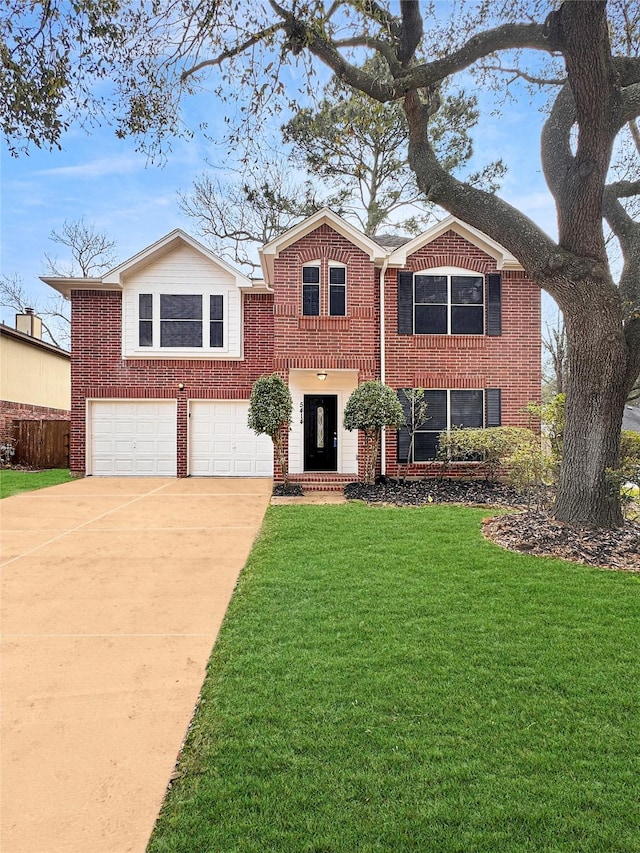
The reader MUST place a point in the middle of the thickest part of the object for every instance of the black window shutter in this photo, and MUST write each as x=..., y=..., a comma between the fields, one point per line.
x=405, y=303
x=403, y=445
x=494, y=304
x=403, y=432
x=493, y=407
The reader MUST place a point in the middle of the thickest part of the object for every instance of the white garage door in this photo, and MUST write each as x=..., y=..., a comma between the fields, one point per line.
x=222, y=445
x=133, y=437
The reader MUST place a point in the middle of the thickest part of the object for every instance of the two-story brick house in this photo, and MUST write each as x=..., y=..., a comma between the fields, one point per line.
x=166, y=347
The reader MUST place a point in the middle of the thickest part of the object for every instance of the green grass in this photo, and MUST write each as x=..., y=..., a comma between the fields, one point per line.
x=14, y=482
x=386, y=680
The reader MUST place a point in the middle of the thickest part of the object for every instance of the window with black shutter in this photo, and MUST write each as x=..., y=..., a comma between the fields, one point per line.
x=405, y=303
x=494, y=304
x=443, y=303
x=216, y=321
x=493, y=408
x=446, y=408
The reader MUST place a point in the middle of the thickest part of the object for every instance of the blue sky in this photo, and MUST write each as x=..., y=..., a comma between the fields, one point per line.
x=104, y=181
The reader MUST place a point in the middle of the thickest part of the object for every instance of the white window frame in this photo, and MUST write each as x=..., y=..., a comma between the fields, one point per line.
x=339, y=266
x=311, y=265
x=450, y=272
x=204, y=294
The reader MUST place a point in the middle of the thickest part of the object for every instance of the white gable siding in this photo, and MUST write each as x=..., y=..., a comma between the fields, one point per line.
x=183, y=270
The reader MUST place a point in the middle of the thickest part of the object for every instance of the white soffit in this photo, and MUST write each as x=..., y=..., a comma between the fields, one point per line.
x=66, y=285
x=504, y=259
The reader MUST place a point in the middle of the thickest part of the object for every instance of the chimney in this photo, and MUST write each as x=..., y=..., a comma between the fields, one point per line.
x=29, y=323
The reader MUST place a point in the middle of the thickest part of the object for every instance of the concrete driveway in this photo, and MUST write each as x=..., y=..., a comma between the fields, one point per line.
x=113, y=593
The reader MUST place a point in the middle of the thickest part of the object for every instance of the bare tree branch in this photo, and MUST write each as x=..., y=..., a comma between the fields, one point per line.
x=14, y=296
x=230, y=52
x=519, y=73
x=505, y=37
x=92, y=252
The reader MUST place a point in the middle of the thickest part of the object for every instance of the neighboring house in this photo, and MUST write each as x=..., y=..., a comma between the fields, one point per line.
x=167, y=346
x=35, y=377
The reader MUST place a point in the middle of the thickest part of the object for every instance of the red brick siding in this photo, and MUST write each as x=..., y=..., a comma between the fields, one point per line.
x=510, y=361
x=277, y=337
x=99, y=371
x=335, y=343
x=10, y=411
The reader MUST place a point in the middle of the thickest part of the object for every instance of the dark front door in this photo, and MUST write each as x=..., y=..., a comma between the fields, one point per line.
x=321, y=432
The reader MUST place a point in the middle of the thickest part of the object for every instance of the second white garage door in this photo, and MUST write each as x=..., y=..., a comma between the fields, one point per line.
x=222, y=445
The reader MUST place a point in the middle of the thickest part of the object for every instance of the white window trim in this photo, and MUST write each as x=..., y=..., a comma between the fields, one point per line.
x=449, y=272
x=339, y=266
x=204, y=294
x=317, y=265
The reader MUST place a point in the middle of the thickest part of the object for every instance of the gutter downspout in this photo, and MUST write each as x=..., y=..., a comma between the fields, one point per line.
x=383, y=363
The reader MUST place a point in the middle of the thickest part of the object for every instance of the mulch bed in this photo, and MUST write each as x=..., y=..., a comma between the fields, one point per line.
x=539, y=533
x=293, y=490
x=524, y=531
x=419, y=492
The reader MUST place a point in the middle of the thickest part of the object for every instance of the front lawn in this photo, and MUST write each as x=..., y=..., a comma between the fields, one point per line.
x=386, y=680
x=12, y=482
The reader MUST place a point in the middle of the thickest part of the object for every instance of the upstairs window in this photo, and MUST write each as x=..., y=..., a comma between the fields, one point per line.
x=448, y=305
x=145, y=322
x=337, y=291
x=181, y=321
x=311, y=290
x=442, y=302
x=216, y=321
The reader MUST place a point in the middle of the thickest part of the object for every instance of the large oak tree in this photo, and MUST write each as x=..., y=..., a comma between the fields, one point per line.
x=351, y=156
x=596, y=94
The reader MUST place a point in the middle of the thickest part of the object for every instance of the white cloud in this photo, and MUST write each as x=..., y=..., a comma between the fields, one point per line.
x=98, y=168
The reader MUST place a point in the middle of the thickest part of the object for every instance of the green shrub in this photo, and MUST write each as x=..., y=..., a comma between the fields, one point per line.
x=552, y=420
x=530, y=469
x=270, y=407
x=490, y=447
x=630, y=446
x=372, y=406
x=625, y=481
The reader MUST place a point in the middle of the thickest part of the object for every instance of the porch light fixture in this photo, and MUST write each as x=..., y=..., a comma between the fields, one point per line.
x=181, y=386
x=322, y=375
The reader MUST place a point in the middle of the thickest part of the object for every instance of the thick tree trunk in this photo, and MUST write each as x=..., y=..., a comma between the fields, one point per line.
x=602, y=364
x=596, y=393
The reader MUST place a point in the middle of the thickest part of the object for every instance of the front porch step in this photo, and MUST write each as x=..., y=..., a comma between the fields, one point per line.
x=322, y=482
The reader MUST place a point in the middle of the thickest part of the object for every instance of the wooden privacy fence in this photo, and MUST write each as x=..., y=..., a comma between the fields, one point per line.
x=42, y=444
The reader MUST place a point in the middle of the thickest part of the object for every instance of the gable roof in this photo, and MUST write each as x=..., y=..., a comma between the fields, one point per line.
x=270, y=251
x=114, y=279
x=504, y=259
